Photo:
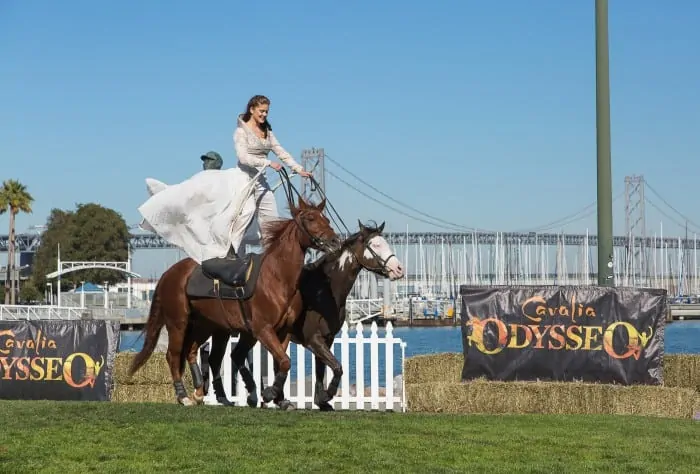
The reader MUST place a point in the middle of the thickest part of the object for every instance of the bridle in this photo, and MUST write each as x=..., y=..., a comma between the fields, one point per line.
x=382, y=269
x=288, y=189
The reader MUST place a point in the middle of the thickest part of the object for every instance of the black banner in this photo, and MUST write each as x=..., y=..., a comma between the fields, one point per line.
x=564, y=333
x=57, y=360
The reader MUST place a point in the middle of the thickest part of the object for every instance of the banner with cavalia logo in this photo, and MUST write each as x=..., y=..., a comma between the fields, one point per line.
x=57, y=360
x=564, y=333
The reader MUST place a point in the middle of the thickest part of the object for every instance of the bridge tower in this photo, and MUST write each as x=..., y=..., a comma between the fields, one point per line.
x=635, y=227
x=313, y=160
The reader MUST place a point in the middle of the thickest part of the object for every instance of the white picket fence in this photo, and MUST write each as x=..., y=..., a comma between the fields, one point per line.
x=365, y=394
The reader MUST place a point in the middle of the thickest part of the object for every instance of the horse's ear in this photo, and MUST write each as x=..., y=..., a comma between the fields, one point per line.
x=322, y=205
x=302, y=204
x=381, y=227
x=363, y=229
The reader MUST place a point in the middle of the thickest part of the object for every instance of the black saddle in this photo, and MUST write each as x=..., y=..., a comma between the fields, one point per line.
x=225, y=278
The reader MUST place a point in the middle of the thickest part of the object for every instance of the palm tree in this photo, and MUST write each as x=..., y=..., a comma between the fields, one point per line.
x=14, y=198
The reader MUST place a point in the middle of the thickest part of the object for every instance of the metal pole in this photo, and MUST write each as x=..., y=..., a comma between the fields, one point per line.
x=58, y=283
x=128, y=280
x=605, y=224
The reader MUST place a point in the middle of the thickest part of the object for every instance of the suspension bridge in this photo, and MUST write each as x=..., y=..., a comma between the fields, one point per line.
x=438, y=262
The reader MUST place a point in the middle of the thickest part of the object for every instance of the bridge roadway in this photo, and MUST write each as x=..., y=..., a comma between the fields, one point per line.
x=30, y=242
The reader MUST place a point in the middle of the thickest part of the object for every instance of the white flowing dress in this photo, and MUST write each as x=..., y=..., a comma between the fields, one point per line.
x=202, y=215
x=197, y=214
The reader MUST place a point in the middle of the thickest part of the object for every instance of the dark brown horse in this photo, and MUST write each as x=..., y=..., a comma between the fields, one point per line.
x=324, y=286
x=256, y=308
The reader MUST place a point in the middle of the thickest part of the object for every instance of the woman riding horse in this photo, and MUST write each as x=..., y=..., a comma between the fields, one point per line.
x=208, y=214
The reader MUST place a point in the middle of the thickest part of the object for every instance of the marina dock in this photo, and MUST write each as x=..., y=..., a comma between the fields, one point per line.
x=684, y=312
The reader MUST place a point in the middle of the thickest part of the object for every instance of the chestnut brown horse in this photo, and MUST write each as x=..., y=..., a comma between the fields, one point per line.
x=186, y=299
x=324, y=287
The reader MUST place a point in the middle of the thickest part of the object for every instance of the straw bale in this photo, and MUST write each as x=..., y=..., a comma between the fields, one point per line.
x=491, y=397
x=160, y=393
x=154, y=372
x=682, y=370
x=443, y=367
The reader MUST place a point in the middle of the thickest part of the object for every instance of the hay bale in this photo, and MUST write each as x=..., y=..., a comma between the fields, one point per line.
x=154, y=372
x=682, y=370
x=486, y=397
x=443, y=367
x=144, y=393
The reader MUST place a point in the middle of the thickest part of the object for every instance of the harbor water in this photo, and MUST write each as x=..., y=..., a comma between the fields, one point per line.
x=681, y=337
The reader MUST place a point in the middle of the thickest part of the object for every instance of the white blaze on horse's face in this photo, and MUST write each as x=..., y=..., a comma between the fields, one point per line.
x=382, y=248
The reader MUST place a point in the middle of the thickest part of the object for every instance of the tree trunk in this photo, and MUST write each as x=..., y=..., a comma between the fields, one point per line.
x=8, y=270
x=7, y=279
x=11, y=259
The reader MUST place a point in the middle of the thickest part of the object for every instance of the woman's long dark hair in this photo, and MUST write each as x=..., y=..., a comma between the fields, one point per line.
x=256, y=101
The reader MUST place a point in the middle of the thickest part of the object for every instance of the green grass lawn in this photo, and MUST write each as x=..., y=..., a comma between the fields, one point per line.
x=68, y=437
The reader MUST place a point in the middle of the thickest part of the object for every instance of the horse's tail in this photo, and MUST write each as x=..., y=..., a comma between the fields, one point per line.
x=154, y=324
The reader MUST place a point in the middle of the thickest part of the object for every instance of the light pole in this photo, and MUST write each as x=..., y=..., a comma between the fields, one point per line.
x=605, y=221
x=82, y=295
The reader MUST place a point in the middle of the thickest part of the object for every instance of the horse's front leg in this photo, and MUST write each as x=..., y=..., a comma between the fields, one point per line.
x=280, y=401
x=320, y=347
x=270, y=340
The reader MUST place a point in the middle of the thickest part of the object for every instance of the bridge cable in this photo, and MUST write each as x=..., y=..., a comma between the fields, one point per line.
x=563, y=220
x=663, y=213
x=651, y=188
x=471, y=229
x=454, y=226
x=399, y=211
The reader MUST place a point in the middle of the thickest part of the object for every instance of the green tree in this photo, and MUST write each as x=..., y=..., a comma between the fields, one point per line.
x=59, y=231
x=14, y=198
x=29, y=293
x=91, y=233
x=100, y=235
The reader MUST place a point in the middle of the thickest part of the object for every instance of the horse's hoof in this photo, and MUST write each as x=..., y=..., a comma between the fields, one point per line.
x=186, y=402
x=252, y=400
x=198, y=399
x=269, y=394
x=286, y=405
x=326, y=407
x=225, y=401
x=322, y=397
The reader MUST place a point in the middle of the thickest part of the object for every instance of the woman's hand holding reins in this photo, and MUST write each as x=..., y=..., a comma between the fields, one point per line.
x=278, y=166
x=305, y=174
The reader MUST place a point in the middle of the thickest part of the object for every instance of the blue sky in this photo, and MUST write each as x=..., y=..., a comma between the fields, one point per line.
x=481, y=114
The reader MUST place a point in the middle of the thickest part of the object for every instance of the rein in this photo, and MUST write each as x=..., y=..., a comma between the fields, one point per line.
x=316, y=187
x=288, y=193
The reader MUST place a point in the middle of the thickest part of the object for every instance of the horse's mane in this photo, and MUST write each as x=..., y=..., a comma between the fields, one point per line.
x=275, y=232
